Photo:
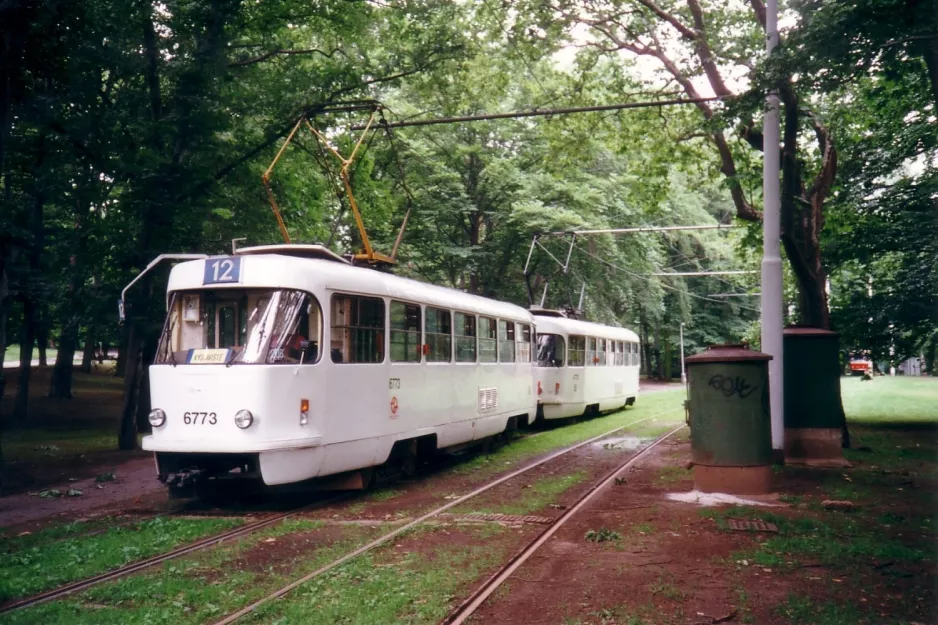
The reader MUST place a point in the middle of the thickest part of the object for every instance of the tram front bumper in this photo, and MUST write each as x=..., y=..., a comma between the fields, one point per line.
x=221, y=446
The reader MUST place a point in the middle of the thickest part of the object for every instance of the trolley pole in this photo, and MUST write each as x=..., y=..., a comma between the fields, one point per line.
x=771, y=259
x=683, y=373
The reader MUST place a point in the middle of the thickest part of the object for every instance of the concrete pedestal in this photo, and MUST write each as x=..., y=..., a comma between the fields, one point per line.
x=755, y=480
x=818, y=447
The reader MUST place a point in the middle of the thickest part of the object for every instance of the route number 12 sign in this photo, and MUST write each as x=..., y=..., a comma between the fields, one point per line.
x=222, y=270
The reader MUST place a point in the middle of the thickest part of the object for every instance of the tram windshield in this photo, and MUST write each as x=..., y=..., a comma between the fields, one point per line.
x=237, y=326
x=550, y=350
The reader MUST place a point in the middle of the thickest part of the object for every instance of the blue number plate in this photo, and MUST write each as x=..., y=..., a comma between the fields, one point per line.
x=222, y=270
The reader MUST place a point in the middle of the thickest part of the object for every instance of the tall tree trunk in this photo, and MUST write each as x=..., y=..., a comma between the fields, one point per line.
x=148, y=355
x=87, y=355
x=4, y=300
x=667, y=361
x=61, y=383
x=127, y=438
x=659, y=365
x=42, y=340
x=27, y=338
x=120, y=367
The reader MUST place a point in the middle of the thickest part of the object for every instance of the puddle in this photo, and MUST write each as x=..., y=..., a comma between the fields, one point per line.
x=620, y=442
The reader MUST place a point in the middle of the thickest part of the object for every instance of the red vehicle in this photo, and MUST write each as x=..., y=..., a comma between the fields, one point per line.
x=860, y=363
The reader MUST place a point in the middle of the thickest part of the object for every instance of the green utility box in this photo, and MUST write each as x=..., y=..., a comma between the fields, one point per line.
x=731, y=433
x=813, y=413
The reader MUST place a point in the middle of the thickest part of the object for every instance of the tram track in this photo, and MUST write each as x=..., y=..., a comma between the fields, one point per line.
x=253, y=607
x=478, y=597
x=134, y=567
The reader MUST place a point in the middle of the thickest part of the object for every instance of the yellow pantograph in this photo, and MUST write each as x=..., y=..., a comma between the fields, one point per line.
x=369, y=254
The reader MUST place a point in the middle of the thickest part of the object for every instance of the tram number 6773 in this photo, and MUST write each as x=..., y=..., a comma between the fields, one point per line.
x=193, y=418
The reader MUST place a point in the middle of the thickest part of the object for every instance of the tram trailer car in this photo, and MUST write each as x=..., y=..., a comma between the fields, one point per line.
x=287, y=363
x=583, y=367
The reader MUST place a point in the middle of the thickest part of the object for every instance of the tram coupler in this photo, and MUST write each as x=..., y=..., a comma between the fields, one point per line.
x=182, y=485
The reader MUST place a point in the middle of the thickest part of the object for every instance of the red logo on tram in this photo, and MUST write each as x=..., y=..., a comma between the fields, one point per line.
x=394, y=405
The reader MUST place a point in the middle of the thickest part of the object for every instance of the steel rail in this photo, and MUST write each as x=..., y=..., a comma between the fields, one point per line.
x=134, y=567
x=429, y=515
x=468, y=607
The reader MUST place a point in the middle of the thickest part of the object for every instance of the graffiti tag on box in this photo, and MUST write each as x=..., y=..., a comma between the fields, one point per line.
x=732, y=385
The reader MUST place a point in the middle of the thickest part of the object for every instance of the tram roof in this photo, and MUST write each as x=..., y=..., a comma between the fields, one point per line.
x=553, y=324
x=313, y=271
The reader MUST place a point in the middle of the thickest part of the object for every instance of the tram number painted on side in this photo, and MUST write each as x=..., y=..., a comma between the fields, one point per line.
x=193, y=418
x=222, y=270
x=394, y=384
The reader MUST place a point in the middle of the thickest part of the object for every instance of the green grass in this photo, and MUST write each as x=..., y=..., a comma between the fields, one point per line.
x=193, y=590
x=42, y=565
x=10, y=543
x=385, y=587
x=668, y=590
x=899, y=399
x=572, y=433
x=13, y=353
x=673, y=474
x=602, y=535
x=829, y=539
x=384, y=494
x=39, y=445
x=799, y=609
x=541, y=493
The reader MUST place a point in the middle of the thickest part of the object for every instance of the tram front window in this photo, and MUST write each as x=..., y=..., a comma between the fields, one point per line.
x=550, y=350
x=228, y=326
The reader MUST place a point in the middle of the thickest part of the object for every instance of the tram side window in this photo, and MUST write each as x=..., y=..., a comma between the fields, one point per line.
x=620, y=353
x=465, y=337
x=405, y=332
x=439, y=335
x=357, y=329
x=591, y=358
x=524, y=342
x=506, y=341
x=550, y=350
x=576, y=354
x=488, y=341
x=636, y=359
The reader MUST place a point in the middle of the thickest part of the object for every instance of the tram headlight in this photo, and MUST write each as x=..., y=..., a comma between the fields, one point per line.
x=244, y=419
x=157, y=417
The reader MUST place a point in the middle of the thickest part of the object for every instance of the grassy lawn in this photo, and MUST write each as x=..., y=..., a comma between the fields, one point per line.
x=38, y=562
x=891, y=401
x=546, y=490
x=13, y=354
x=61, y=435
x=889, y=535
x=207, y=585
x=664, y=407
x=392, y=585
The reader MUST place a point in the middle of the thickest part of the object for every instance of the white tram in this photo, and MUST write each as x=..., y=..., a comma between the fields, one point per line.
x=583, y=367
x=287, y=363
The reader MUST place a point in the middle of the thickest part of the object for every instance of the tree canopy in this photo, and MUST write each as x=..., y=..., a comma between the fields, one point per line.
x=130, y=130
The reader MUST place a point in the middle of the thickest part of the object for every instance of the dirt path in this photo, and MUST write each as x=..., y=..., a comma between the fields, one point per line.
x=675, y=563
x=133, y=480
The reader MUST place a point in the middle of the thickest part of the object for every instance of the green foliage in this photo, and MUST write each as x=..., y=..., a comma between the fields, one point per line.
x=602, y=535
x=48, y=564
